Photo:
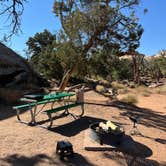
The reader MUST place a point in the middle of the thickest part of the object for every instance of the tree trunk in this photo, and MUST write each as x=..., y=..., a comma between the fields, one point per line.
x=137, y=62
x=66, y=78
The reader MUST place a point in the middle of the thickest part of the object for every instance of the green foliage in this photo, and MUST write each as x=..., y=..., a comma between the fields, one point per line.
x=161, y=62
x=109, y=66
x=42, y=48
x=38, y=43
x=93, y=33
x=115, y=74
x=49, y=65
x=91, y=25
x=53, y=57
x=153, y=68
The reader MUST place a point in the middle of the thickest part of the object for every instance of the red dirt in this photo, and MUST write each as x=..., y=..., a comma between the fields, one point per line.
x=23, y=145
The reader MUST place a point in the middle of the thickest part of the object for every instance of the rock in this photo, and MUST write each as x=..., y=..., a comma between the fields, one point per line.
x=14, y=70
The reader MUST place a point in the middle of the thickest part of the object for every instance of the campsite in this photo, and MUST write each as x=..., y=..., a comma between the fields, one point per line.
x=82, y=83
x=27, y=145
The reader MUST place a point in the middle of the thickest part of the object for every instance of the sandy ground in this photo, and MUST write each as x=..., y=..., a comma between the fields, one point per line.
x=23, y=145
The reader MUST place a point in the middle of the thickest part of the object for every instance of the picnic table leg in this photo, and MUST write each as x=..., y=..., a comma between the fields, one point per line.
x=51, y=120
x=66, y=110
x=33, y=121
x=52, y=104
x=82, y=108
x=32, y=117
x=82, y=112
x=18, y=113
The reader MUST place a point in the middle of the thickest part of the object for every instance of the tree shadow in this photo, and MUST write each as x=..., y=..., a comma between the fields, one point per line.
x=148, y=117
x=133, y=148
x=139, y=161
x=6, y=112
x=76, y=126
x=77, y=160
x=20, y=160
x=41, y=122
x=16, y=160
x=161, y=141
x=133, y=153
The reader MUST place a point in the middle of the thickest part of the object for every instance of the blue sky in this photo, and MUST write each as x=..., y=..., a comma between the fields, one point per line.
x=154, y=24
x=38, y=16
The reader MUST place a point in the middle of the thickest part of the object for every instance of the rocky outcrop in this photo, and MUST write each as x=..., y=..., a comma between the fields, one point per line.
x=15, y=69
x=16, y=73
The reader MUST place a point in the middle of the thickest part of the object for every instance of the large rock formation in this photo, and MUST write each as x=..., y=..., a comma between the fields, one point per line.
x=16, y=73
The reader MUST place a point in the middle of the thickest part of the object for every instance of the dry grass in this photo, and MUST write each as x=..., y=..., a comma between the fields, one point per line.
x=161, y=90
x=123, y=91
x=117, y=85
x=144, y=91
x=130, y=99
x=100, y=89
x=26, y=145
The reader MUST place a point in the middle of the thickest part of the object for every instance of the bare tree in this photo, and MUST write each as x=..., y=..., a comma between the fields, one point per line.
x=12, y=10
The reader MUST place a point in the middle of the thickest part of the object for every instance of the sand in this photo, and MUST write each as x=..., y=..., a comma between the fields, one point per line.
x=23, y=145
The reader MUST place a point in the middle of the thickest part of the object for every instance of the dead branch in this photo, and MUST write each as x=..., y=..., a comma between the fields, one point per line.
x=13, y=9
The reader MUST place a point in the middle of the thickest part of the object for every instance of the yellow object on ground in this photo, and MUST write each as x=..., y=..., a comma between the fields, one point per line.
x=111, y=125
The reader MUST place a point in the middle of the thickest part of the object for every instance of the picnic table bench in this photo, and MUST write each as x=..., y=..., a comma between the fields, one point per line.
x=35, y=100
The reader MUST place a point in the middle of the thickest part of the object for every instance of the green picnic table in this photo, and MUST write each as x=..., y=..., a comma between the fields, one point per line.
x=34, y=100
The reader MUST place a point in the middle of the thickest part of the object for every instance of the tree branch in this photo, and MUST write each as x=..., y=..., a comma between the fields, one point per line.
x=14, y=11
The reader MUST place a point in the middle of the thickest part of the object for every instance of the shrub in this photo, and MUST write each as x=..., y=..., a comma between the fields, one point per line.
x=100, y=88
x=162, y=90
x=144, y=91
x=117, y=85
x=123, y=91
x=130, y=99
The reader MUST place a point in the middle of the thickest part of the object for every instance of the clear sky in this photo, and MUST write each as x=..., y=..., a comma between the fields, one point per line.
x=38, y=16
x=154, y=24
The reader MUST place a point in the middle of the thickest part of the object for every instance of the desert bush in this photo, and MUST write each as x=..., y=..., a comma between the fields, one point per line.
x=100, y=88
x=123, y=91
x=130, y=99
x=161, y=90
x=144, y=91
x=117, y=85
x=104, y=83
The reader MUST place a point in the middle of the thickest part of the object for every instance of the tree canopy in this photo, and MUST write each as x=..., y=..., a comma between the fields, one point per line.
x=99, y=24
x=90, y=26
x=43, y=50
x=91, y=30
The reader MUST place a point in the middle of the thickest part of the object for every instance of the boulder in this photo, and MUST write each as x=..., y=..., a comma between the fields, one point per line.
x=15, y=69
x=16, y=74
